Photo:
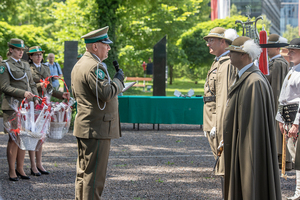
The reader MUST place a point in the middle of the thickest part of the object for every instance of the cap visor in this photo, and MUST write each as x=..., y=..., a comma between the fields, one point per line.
x=107, y=41
x=274, y=45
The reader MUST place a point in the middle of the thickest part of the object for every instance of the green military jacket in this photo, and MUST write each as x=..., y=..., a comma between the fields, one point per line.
x=15, y=81
x=89, y=84
x=43, y=72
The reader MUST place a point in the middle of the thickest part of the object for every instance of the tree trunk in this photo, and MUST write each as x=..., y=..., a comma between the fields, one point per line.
x=171, y=74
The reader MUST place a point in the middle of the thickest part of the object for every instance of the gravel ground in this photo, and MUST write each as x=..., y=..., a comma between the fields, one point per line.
x=172, y=163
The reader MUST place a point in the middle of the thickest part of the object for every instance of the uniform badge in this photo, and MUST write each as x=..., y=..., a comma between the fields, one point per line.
x=100, y=74
x=2, y=69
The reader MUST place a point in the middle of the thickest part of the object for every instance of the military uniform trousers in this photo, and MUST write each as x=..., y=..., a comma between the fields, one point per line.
x=91, y=168
x=219, y=171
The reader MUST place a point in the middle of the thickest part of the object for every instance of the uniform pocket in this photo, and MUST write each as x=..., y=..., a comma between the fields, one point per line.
x=17, y=73
x=108, y=118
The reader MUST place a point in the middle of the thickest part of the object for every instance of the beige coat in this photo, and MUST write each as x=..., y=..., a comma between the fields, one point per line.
x=278, y=69
x=42, y=73
x=90, y=121
x=251, y=165
x=220, y=77
x=15, y=88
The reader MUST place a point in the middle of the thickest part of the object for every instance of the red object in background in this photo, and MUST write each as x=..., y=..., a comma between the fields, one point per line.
x=298, y=17
x=214, y=9
x=263, y=59
x=144, y=66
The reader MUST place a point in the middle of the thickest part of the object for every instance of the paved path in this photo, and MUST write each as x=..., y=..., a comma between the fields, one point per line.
x=172, y=163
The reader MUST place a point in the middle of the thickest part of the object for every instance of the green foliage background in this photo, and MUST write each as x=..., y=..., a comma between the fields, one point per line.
x=135, y=27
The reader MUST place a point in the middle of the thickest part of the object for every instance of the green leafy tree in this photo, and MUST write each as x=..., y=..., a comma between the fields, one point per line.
x=194, y=46
x=143, y=25
x=73, y=19
x=291, y=33
x=30, y=34
x=234, y=11
x=35, y=12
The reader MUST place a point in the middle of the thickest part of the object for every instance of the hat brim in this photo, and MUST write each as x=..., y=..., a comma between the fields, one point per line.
x=106, y=41
x=233, y=49
x=35, y=52
x=293, y=47
x=215, y=36
x=13, y=46
x=273, y=45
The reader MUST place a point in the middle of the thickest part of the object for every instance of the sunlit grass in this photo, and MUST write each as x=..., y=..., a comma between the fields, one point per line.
x=183, y=85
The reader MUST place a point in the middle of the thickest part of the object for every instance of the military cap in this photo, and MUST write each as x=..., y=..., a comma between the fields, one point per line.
x=222, y=33
x=16, y=43
x=99, y=35
x=35, y=49
x=247, y=45
x=294, y=44
x=275, y=41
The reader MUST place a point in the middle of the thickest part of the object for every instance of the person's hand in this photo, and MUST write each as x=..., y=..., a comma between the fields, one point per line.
x=281, y=128
x=120, y=75
x=56, y=78
x=36, y=102
x=66, y=95
x=28, y=95
x=293, y=131
x=42, y=84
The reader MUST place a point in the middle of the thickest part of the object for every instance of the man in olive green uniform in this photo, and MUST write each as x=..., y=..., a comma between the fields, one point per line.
x=15, y=81
x=97, y=120
x=219, y=78
x=278, y=69
x=251, y=164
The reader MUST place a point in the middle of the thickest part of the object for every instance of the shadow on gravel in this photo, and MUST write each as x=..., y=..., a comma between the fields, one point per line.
x=174, y=163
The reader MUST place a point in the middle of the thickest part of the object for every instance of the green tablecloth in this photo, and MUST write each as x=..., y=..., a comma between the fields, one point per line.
x=161, y=110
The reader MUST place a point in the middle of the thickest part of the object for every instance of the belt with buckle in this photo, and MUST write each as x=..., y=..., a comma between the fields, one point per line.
x=209, y=99
x=288, y=112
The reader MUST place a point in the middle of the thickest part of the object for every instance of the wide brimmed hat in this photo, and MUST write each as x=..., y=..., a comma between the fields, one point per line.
x=35, y=49
x=247, y=45
x=294, y=44
x=16, y=43
x=222, y=33
x=275, y=41
x=99, y=35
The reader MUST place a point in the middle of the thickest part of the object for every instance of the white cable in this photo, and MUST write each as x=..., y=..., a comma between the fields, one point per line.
x=17, y=79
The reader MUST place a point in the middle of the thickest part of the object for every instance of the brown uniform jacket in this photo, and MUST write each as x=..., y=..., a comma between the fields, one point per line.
x=12, y=87
x=251, y=164
x=42, y=73
x=278, y=69
x=220, y=77
x=90, y=121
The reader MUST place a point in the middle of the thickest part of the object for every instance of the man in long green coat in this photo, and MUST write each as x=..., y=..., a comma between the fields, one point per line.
x=251, y=164
x=278, y=69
